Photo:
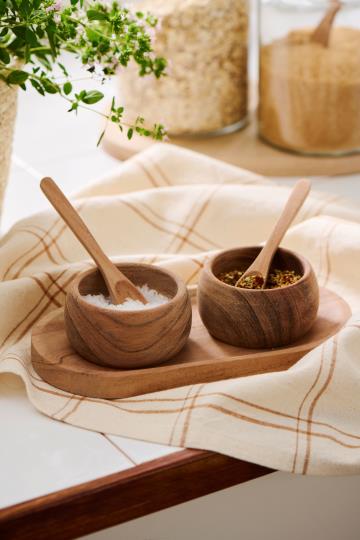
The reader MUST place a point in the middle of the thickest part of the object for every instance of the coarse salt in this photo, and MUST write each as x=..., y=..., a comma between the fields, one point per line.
x=153, y=297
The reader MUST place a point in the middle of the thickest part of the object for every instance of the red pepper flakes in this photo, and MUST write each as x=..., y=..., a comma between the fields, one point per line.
x=276, y=279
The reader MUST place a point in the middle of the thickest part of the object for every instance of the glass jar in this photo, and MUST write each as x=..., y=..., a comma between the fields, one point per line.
x=205, y=90
x=309, y=97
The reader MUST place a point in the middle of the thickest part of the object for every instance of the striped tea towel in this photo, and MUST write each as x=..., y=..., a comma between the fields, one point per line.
x=172, y=207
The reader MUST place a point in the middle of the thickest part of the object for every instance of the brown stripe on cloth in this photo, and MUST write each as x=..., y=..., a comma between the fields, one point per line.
x=46, y=291
x=158, y=169
x=327, y=254
x=201, y=211
x=56, y=246
x=314, y=403
x=188, y=416
x=119, y=449
x=53, y=242
x=38, y=254
x=187, y=228
x=74, y=409
x=217, y=408
x=148, y=175
x=58, y=411
x=302, y=405
x=184, y=408
x=53, y=296
x=60, y=288
x=155, y=225
x=178, y=224
x=172, y=435
x=27, y=252
x=42, y=241
x=239, y=400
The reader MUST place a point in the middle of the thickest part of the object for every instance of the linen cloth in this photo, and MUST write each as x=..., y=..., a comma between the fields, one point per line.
x=174, y=208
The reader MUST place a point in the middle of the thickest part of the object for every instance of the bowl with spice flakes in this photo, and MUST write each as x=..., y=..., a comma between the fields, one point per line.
x=132, y=334
x=251, y=316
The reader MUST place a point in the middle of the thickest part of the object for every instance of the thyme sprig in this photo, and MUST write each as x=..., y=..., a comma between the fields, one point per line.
x=103, y=37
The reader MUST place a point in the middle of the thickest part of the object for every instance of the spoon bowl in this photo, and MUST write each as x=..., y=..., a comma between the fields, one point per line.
x=128, y=339
x=257, y=318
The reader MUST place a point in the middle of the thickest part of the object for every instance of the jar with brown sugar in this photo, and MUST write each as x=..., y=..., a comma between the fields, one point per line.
x=205, y=89
x=309, y=95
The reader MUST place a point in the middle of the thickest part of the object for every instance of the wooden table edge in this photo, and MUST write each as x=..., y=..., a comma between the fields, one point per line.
x=126, y=495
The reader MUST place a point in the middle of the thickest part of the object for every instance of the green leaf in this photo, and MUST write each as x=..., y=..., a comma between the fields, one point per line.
x=37, y=86
x=67, y=88
x=4, y=56
x=74, y=107
x=130, y=133
x=17, y=77
x=91, y=97
x=16, y=44
x=20, y=32
x=100, y=138
x=49, y=86
x=63, y=69
x=92, y=35
x=51, y=32
x=95, y=15
x=31, y=38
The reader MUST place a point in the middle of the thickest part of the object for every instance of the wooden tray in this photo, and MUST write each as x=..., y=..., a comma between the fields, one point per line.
x=203, y=359
x=242, y=148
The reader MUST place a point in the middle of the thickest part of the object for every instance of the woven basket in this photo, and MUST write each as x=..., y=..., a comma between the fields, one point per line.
x=8, y=101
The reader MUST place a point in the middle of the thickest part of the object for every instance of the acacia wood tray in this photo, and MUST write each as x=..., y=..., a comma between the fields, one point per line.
x=203, y=359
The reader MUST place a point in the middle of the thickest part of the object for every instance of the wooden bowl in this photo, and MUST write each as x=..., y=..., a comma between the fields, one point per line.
x=260, y=318
x=128, y=339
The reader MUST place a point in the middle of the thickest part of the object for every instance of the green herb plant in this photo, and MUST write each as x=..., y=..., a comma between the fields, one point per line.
x=102, y=36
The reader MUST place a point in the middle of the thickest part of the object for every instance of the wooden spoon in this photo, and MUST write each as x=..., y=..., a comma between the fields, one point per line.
x=260, y=267
x=119, y=286
x=321, y=34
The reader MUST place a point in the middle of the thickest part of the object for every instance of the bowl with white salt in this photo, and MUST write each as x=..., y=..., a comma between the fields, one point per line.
x=132, y=334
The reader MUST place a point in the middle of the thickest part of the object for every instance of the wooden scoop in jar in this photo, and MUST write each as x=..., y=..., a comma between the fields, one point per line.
x=321, y=34
x=119, y=286
x=260, y=267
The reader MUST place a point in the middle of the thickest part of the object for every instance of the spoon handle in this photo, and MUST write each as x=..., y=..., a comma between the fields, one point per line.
x=112, y=275
x=295, y=201
x=321, y=34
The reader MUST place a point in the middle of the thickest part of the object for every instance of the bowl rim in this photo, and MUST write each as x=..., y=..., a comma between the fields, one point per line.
x=181, y=289
x=305, y=264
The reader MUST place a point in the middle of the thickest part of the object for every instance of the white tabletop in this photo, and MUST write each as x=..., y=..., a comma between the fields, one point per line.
x=50, y=455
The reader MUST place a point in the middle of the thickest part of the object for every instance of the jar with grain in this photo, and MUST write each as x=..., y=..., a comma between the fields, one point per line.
x=309, y=79
x=205, y=89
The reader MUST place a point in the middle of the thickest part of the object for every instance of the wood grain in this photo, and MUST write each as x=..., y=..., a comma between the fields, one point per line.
x=203, y=359
x=243, y=149
x=118, y=285
x=123, y=496
x=128, y=339
x=258, y=318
